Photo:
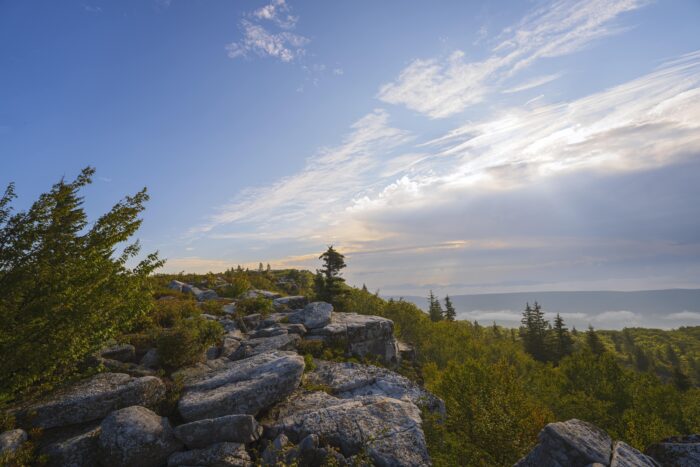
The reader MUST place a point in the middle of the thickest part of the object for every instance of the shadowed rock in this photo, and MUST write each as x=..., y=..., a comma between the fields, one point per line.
x=231, y=428
x=625, y=455
x=77, y=450
x=678, y=451
x=93, y=399
x=216, y=455
x=136, y=437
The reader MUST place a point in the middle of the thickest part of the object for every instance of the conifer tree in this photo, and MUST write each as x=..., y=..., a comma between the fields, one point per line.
x=435, y=309
x=328, y=281
x=562, y=343
x=534, y=332
x=450, y=313
x=593, y=341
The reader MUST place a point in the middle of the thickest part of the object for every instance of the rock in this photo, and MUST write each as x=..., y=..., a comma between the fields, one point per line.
x=212, y=353
x=229, y=308
x=252, y=321
x=261, y=293
x=297, y=329
x=265, y=344
x=242, y=387
x=361, y=335
x=176, y=285
x=150, y=359
x=206, y=294
x=276, y=452
x=573, y=442
x=293, y=302
x=230, y=346
x=624, y=455
x=78, y=450
x=12, y=440
x=229, y=326
x=93, y=399
x=406, y=352
x=230, y=428
x=122, y=353
x=350, y=380
x=388, y=430
x=136, y=437
x=314, y=315
x=678, y=451
x=216, y=455
x=209, y=317
x=268, y=332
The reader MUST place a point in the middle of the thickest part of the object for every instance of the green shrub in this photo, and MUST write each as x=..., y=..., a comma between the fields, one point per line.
x=239, y=284
x=168, y=313
x=311, y=347
x=212, y=307
x=184, y=344
x=309, y=364
x=249, y=306
x=64, y=289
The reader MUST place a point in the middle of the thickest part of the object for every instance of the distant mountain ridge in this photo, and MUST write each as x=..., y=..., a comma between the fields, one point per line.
x=669, y=308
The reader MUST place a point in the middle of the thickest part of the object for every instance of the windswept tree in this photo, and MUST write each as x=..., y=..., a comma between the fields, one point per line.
x=65, y=284
x=450, y=313
x=330, y=286
x=434, y=308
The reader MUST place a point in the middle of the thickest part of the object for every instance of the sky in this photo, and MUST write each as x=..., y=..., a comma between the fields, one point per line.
x=464, y=147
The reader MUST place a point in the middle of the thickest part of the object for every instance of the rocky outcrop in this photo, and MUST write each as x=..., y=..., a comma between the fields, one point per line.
x=93, y=399
x=136, y=437
x=229, y=428
x=292, y=303
x=385, y=429
x=360, y=335
x=678, y=451
x=314, y=315
x=76, y=450
x=242, y=387
x=122, y=352
x=573, y=443
x=350, y=380
x=216, y=455
x=251, y=347
x=12, y=440
x=624, y=455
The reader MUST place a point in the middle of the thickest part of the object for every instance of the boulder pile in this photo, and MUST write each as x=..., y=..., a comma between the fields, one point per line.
x=252, y=400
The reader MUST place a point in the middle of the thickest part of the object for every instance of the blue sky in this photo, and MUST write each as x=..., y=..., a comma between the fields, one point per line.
x=460, y=146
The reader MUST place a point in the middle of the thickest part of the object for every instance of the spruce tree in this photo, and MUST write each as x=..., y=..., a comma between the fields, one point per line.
x=330, y=286
x=450, y=313
x=593, y=341
x=534, y=332
x=563, y=344
x=435, y=309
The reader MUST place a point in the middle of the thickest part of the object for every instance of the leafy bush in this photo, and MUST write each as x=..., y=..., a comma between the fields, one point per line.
x=184, y=344
x=168, y=313
x=248, y=306
x=212, y=307
x=239, y=284
x=64, y=290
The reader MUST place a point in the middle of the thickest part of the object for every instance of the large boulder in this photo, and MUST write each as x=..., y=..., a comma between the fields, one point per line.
x=350, y=380
x=678, y=451
x=12, y=440
x=314, y=315
x=79, y=449
x=571, y=443
x=293, y=302
x=242, y=387
x=360, y=335
x=255, y=293
x=136, y=437
x=624, y=455
x=93, y=399
x=231, y=428
x=251, y=347
x=216, y=455
x=387, y=430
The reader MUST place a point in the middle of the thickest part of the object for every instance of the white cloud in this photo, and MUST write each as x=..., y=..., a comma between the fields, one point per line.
x=440, y=88
x=620, y=316
x=285, y=46
x=330, y=178
x=684, y=316
x=533, y=83
x=257, y=39
x=278, y=12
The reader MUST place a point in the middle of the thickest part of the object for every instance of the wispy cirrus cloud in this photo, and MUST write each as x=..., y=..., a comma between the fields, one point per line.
x=441, y=88
x=257, y=39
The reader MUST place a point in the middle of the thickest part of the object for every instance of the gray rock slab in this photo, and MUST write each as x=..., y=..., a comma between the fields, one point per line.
x=229, y=428
x=242, y=387
x=216, y=455
x=136, y=437
x=93, y=399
